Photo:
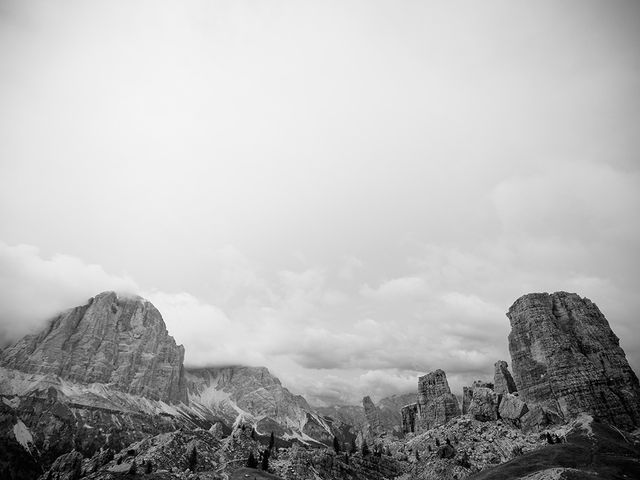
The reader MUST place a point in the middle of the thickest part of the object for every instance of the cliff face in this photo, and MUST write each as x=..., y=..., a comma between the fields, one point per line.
x=118, y=341
x=565, y=356
x=436, y=404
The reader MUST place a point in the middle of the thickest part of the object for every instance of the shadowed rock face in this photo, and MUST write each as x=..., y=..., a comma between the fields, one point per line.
x=565, y=356
x=502, y=379
x=119, y=341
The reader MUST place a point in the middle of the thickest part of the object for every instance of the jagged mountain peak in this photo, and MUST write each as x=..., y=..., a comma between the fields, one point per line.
x=113, y=339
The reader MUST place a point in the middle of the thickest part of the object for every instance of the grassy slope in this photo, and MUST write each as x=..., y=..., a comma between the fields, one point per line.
x=606, y=455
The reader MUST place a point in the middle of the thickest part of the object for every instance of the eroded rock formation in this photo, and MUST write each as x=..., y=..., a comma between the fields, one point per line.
x=372, y=414
x=436, y=404
x=467, y=393
x=484, y=404
x=566, y=357
x=119, y=341
x=409, y=413
x=502, y=379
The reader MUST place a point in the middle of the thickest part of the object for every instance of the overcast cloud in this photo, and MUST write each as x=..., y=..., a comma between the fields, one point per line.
x=349, y=193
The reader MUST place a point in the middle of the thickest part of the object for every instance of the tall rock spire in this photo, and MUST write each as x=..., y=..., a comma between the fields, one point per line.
x=564, y=355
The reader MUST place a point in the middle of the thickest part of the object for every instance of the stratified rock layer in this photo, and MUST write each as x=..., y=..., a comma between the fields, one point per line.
x=436, y=404
x=565, y=356
x=409, y=413
x=119, y=341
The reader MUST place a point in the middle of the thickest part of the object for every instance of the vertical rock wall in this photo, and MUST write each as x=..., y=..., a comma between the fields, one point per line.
x=436, y=404
x=565, y=356
x=119, y=341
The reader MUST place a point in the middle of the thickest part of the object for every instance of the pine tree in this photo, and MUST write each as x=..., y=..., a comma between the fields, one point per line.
x=353, y=449
x=365, y=448
x=437, y=442
x=265, y=460
x=193, y=459
x=336, y=445
x=149, y=467
x=251, y=461
x=272, y=441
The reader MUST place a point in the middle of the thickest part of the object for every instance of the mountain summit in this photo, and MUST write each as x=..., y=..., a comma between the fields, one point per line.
x=114, y=340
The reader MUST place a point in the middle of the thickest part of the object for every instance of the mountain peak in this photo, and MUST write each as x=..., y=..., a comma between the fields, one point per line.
x=118, y=340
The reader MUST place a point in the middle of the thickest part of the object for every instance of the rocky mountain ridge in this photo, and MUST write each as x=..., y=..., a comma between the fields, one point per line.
x=100, y=412
x=113, y=340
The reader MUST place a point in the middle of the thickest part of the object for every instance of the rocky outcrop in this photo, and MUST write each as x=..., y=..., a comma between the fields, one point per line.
x=511, y=407
x=66, y=467
x=385, y=417
x=566, y=357
x=118, y=341
x=467, y=394
x=484, y=404
x=254, y=395
x=502, y=379
x=390, y=408
x=372, y=414
x=436, y=404
x=408, y=414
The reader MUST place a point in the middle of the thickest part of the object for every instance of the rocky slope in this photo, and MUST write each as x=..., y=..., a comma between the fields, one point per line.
x=252, y=395
x=565, y=356
x=113, y=340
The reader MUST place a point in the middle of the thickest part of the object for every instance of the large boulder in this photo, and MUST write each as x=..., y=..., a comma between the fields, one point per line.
x=566, y=358
x=538, y=418
x=467, y=394
x=484, y=404
x=511, y=407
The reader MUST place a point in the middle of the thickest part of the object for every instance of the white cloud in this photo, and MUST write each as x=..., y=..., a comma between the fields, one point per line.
x=33, y=288
x=397, y=288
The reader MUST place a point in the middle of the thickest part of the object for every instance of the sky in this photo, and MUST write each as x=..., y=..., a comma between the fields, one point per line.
x=351, y=193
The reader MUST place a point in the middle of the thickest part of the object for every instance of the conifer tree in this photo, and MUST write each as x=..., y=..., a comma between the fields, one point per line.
x=365, y=448
x=193, y=459
x=251, y=461
x=336, y=445
x=265, y=459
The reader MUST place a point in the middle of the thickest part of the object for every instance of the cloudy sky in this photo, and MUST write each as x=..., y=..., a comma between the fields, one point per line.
x=351, y=193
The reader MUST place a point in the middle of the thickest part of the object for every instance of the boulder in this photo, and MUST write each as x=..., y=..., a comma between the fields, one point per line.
x=484, y=404
x=511, y=407
x=538, y=418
